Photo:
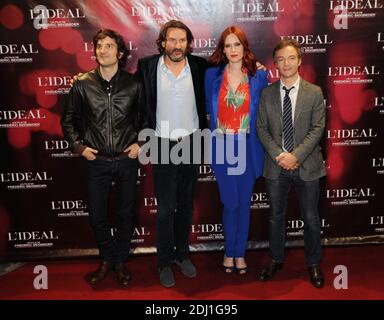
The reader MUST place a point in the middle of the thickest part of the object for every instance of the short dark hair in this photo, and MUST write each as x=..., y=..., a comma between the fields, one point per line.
x=174, y=24
x=287, y=42
x=121, y=47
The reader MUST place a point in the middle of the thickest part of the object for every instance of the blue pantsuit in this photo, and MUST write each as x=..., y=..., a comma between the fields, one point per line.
x=235, y=190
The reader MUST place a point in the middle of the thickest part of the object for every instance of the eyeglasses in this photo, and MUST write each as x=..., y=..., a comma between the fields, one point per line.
x=175, y=41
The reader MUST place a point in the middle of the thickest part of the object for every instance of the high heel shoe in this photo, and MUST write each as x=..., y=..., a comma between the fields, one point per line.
x=229, y=269
x=241, y=271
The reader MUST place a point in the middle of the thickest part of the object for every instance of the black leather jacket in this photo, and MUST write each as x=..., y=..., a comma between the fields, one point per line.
x=103, y=115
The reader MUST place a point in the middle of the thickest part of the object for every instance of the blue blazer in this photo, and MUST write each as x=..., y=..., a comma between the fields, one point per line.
x=213, y=81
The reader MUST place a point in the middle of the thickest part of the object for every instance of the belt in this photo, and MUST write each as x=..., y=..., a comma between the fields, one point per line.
x=120, y=156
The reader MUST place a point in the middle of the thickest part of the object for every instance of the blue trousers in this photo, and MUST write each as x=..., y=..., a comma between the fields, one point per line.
x=235, y=194
x=308, y=196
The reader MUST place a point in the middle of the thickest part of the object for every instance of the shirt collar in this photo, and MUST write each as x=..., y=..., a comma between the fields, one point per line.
x=296, y=84
x=164, y=67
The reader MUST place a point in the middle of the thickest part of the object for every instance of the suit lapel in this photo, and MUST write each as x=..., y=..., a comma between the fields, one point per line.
x=252, y=88
x=300, y=101
x=152, y=70
x=217, y=80
x=195, y=78
x=276, y=101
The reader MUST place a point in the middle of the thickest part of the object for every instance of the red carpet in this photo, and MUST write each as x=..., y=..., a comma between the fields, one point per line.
x=365, y=266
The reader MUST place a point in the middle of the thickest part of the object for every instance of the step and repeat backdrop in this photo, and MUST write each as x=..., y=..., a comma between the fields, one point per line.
x=43, y=211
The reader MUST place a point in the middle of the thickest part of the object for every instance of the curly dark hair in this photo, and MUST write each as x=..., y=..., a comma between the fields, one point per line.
x=121, y=47
x=174, y=24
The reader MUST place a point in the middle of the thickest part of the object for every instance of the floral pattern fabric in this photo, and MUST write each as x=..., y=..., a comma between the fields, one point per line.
x=233, y=107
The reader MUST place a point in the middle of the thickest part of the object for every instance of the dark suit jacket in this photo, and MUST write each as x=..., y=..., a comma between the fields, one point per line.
x=309, y=124
x=147, y=70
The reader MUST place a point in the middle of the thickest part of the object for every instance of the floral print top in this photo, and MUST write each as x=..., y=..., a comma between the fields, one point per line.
x=233, y=109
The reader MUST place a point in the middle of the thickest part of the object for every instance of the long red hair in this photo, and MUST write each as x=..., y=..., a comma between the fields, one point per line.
x=218, y=57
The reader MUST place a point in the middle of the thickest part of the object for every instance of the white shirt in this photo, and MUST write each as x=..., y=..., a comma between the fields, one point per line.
x=176, y=113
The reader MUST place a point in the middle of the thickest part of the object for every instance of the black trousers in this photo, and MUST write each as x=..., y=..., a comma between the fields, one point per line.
x=175, y=188
x=100, y=175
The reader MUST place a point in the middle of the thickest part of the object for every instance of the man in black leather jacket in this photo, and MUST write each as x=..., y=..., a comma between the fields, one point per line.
x=101, y=122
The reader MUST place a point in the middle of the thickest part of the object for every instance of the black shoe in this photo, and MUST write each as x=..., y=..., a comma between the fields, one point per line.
x=166, y=277
x=100, y=273
x=187, y=267
x=226, y=268
x=316, y=276
x=123, y=276
x=242, y=271
x=268, y=272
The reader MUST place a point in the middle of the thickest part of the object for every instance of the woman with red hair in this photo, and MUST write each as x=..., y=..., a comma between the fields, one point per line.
x=232, y=91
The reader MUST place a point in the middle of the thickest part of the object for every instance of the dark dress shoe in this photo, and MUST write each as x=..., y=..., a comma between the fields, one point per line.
x=187, y=267
x=167, y=278
x=268, y=272
x=100, y=273
x=316, y=276
x=123, y=276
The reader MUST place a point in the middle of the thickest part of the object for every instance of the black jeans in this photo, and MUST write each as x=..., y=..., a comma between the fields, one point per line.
x=175, y=188
x=308, y=196
x=100, y=175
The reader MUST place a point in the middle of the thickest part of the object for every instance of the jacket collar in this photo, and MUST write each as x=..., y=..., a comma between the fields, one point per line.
x=108, y=85
x=216, y=84
x=113, y=79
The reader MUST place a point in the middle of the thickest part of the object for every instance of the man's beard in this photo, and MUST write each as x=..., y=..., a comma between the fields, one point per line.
x=173, y=58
